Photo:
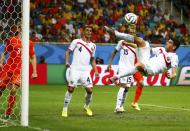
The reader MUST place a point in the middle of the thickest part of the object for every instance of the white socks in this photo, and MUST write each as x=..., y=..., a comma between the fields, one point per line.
x=124, y=36
x=67, y=100
x=121, y=96
x=88, y=99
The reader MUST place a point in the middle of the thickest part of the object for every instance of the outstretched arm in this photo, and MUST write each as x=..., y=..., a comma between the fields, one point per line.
x=2, y=59
x=67, y=57
x=34, y=65
x=93, y=63
x=111, y=59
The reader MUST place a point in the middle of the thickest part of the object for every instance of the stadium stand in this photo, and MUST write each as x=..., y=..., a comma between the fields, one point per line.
x=61, y=21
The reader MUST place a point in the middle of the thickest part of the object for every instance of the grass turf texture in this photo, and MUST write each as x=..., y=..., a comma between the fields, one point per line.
x=46, y=104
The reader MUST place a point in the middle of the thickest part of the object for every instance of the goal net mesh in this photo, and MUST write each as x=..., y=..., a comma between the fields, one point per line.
x=10, y=22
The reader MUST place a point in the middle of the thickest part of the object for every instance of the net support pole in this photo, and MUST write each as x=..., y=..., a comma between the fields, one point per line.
x=25, y=63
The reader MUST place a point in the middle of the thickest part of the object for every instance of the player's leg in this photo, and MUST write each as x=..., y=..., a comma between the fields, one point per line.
x=72, y=83
x=87, y=82
x=11, y=100
x=125, y=83
x=139, y=86
x=127, y=37
x=138, y=67
x=121, y=97
x=13, y=85
x=4, y=80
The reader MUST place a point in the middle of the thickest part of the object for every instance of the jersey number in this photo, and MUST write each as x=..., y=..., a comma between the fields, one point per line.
x=125, y=51
x=80, y=48
x=18, y=51
x=129, y=80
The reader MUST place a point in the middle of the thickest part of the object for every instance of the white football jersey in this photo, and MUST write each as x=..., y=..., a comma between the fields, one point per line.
x=161, y=61
x=128, y=56
x=82, y=53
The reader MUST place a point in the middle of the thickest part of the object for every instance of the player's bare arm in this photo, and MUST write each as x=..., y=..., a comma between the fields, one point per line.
x=93, y=63
x=67, y=57
x=111, y=59
x=2, y=58
x=172, y=74
x=34, y=65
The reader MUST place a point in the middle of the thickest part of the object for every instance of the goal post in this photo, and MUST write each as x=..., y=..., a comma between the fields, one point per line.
x=25, y=63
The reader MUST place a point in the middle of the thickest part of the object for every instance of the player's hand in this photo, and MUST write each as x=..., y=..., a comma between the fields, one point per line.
x=34, y=75
x=67, y=65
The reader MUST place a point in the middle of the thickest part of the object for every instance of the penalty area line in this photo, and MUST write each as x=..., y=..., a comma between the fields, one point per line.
x=37, y=128
x=166, y=107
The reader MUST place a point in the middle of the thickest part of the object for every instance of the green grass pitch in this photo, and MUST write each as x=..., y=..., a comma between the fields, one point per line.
x=162, y=109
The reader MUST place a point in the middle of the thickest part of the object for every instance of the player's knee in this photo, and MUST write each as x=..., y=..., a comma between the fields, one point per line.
x=126, y=89
x=140, y=84
x=70, y=89
x=89, y=90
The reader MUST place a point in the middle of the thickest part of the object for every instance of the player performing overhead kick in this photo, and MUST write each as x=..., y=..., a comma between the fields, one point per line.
x=128, y=59
x=163, y=59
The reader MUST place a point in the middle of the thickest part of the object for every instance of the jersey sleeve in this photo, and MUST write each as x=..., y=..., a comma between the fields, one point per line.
x=174, y=61
x=31, y=49
x=119, y=45
x=73, y=45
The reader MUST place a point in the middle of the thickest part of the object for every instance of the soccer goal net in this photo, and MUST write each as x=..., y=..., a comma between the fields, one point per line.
x=14, y=36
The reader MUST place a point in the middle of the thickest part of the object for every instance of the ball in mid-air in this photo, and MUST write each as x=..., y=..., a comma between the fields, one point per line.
x=131, y=18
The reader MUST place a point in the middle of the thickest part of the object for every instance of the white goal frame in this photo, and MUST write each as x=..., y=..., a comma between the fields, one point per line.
x=25, y=63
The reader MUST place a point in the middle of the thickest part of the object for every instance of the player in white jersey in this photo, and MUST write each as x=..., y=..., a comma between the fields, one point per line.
x=126, y=62
x=161, y=62
x=79, y=71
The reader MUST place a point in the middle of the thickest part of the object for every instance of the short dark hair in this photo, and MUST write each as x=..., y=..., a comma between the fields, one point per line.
x=176, y=43
x=88, y=26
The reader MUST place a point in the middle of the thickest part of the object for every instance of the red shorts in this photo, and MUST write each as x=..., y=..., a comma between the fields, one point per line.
x=138, y=76
x=10, y=78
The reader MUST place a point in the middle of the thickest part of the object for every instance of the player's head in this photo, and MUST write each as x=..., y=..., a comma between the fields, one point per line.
x=172, y=44
x=15, y=30
x=87, y=31
x=132, y=29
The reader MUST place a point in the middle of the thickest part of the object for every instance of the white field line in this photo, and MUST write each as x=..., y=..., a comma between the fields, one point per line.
x=7, y=123
x=38, y=128
x=166, y=107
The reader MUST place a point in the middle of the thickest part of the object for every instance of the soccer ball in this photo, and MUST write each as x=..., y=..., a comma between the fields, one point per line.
x=131, y=18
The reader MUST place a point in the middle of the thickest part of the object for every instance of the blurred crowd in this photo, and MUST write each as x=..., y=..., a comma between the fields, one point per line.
x=62, y=20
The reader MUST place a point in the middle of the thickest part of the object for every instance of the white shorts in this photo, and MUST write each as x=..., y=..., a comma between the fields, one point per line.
x=76, y=77
x=125, y=80
x=143, y=54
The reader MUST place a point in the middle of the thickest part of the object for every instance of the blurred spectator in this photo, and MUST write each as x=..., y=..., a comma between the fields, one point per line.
x=61, y=21
x=99, y=61
x=42, y=60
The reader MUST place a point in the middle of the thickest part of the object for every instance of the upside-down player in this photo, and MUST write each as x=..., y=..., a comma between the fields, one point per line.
x=164, y=58
x=10, y=74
